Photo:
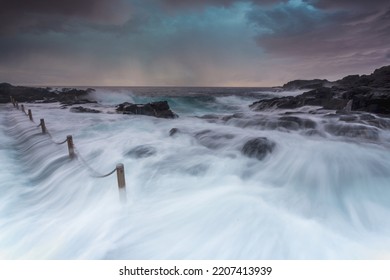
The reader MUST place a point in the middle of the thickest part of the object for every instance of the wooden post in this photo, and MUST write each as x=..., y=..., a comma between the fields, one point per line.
x=120, y=173
x=70, y=146
x=43, y=126
x=22, y=106
x=30, y=114
x=17, y=105
x=12, y=100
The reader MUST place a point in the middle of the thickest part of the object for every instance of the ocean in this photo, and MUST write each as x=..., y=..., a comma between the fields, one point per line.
x=321, y=192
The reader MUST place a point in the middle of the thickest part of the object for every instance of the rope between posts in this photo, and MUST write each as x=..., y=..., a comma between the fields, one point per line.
x=94, y=173
x=51, y=138
x=59, y=143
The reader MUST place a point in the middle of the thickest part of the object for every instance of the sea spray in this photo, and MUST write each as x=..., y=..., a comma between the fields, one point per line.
x=197, y=195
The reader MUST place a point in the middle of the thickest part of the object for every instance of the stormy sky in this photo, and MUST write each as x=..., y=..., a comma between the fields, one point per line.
x=189, y=42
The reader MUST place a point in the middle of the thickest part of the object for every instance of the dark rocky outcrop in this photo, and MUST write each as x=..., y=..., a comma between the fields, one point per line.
x=67, y=96
x=158, y=109
x=258, y=148
x=305, y=84
x=324, y=97
x=380, y=78
x=368, y=93
x=81, y=109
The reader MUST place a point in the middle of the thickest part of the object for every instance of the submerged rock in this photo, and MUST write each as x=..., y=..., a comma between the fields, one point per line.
x=258, y=148
x=142, y=151
x=81, y=109
x=158, y=109
x=352, y=131
x=213, y=139
x=174, y=131
x=66, y=103
x=292, y=121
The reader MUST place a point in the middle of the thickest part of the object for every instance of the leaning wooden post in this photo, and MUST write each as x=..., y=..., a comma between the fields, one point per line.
x=22, y=106
x=70, y=146
x=30, y=114
x=120, y=173
x=43, y=126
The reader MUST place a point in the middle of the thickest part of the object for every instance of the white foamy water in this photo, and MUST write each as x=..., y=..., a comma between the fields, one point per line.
x=193, y=195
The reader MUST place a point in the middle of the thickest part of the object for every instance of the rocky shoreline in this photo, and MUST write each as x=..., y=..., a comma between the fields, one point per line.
x=71, y=96
x=365, y=93
x=66, y=96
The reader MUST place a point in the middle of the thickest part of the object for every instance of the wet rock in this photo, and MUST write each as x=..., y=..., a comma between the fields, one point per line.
x=43, y=95
x=349, y=118
x=352, y=131
x=383, y=123
x=258, y=148
x=174, y=131
x=81, y=109
x=197, y=170
x=234, y=116
x=212, y=139
x=158, y=109
x=375, y=102
x=298, y=122
x=209, y=117
x=324, y=97
x=368, y=93
x=313, y=132
x=67, y=103
x=142, y=151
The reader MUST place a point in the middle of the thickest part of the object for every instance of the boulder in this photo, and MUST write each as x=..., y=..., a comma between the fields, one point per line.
x=158, y=109
x=258, y=148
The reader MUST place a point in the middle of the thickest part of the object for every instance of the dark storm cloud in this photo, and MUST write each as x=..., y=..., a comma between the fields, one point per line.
x=186, y=42
x=285, y=19
x=350, y=34
x=25, y=15
x=337, y=4
x=205, y=3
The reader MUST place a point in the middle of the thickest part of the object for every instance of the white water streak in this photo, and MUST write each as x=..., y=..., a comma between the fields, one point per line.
x=312, y=198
